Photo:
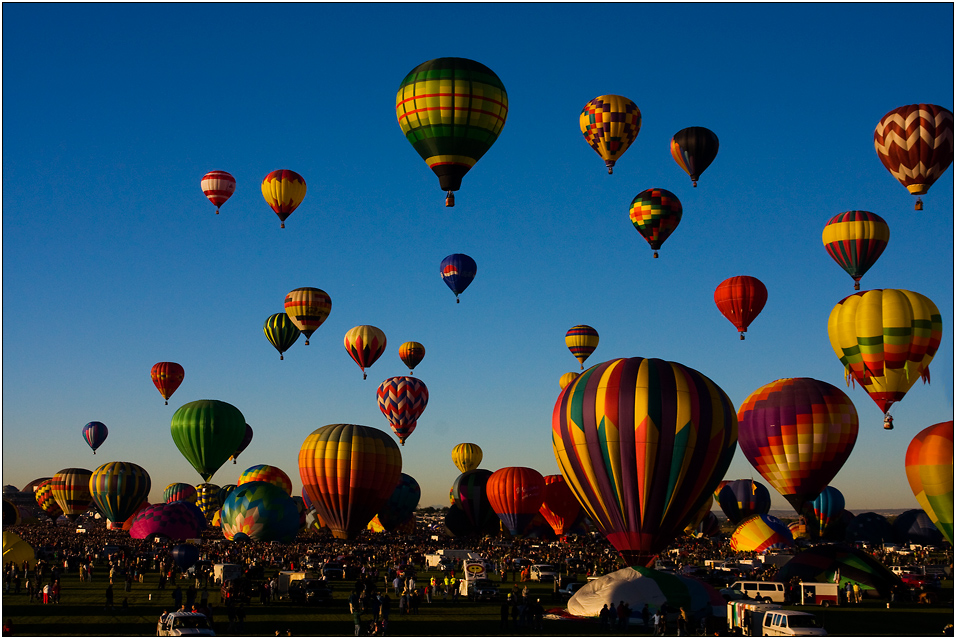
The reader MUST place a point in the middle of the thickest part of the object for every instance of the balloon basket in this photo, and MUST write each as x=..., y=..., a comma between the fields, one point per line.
x=282, y=225
x=741, y=337
x=919, y=204
x=450, y=199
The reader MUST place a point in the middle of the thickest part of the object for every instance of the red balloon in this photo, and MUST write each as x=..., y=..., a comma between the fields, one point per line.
x=516, y=494
x=560, y=507
x=167, y=376
x=741, y=299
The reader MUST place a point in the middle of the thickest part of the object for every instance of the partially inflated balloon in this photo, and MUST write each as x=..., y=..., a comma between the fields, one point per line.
x=402, y=400
x=515, y=493
x=451, y=111
x=259, y=511
x=349, y=472
x=581, y=340
x=797, y=433
x=167, y=376
x=760, y=532
x=179, y=492
x=855, y=240
x=559, y=506
x=457, y=271
x=281, y=332
x=885, y=340
x=45, y=499
x=95, y=434
x=642, y=443
x=218, y=186
x=17, y=551
x=655, y=213
x=266, y=473
x=246, y=440
x=178, y=520
x=401, y=503
x=610, y=123
x=929, y=470
x=694, y=148
x=207, y=432
x=742, y=498
x=567, y=378
x=365, y=344
x=284, y=191
x=207, y=498
x=466, y=456
x=71, y=489
x=915, y=144
x=412, y=354
x=308, y=308
x=184, y=555
x=119, y=488
x=740, y=299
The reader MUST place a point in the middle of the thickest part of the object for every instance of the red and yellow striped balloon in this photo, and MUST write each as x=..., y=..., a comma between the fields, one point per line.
x=365, y=344
x=218, y=186
x=308, y=308
x=284, y=191
x=71, y=489
x=915, y=144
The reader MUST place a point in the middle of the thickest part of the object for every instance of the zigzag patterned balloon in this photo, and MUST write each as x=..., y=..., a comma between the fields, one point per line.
x=915, y=144
x=402, y=400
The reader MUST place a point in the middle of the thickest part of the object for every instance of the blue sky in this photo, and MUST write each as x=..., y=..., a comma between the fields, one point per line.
x=114, y=260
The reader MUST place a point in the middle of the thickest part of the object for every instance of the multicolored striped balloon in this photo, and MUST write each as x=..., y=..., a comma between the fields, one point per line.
x=180, y=492
x=885, y=340
x=581, y=340
x=207, y=498
x=694, y=148
x=284, y=191
x=655, y=213
x=466, y=457
x=451, y=111
x=855, y=240
x=259, y=511
x=642, y=444
x=281, y=332
x=402, y=400
x=412, y=354
x=797, y=433
x=218, y=186
x=610, y=123
x=824, y=512
x=71, y=490
x=915, y=144
x=929, y=471
x=266, y=473
x=119, y=489
x=365, y=344
x=95, y=433
x=457, y=272
x=349, y=472
x=167, y=376
x=740, y=299
x=308, y=308
x=760, y=532
x=45, y=499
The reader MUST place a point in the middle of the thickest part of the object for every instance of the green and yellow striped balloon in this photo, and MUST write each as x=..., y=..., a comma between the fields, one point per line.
x=71, y=490
x=118, y=489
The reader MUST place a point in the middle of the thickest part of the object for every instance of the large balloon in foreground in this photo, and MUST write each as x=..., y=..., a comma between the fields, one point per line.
x=17, y=551
x=466, y=456
x=412, y=354
x=207, y=432
x=402, y=400
x=740, y=299
x=929, y=470
x=266, y=473
x=559, y=506
x=515, y=494
x=349, y=472
x=451, y=111
x=797, y=433
x=71, y=489
x=218, y=186
x=915, y=144
x=95, y=433
x=308, y=308
x=655, y=213
x=167, y=376
x=610, y=123
x=694, y=148
x=643, y=443
x=855, y=240
x=246, y=440
x=886, y=340
x=281, y=332
x=284, y=191
x=457, y=272
x=118, y=489
x=259, y=511
x=365, y=344
x=581, y=340
x=760, y=532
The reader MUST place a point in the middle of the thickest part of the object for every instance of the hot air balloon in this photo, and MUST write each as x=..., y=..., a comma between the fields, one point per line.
x=740, y=299
x=742, y=498
x=824, y=563
x=642, y=443
x=885, y=339
x=916, y=527
x=45, y=499
x=451, y=111
x=365, y=344
x=559, y=507
x=184, y=555
x=17, y=551
x=827, y=510
x=283, y=190
x=167, y=376
x=71, y=490
x=207, y=432
x=179, y=492
x=466, y=456
x=697, y=517
x=515, y=494
x=655, y=213
x=118, y=489
x=266, y=473
x=929, y=470
x=207, y=498
x=581, y=340
x=470, y=490
x=218, y=186
x=246, y=440
x=178, y=520
x=349, y=472
x=567, y=378
x=915, y=144
x=855, y=240
x=412, y=354
x=127, y=524
x=225, y=491
x=281, y=332
x=308, y=308
x=694, y=148
x=720, y=487
x=11, y=514
x=259, y=511
x=95, y=433
x=401, y=503
x=457, y=271
x=402, y=400
x=871, y=528
x=610, y=123
x=797, y=433
x=760, y=532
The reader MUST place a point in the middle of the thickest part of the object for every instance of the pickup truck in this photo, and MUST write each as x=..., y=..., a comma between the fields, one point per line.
x=184, y=624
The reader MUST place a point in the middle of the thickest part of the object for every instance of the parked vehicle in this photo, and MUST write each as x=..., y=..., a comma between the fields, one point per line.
x=543, y=572
x=286, y=579
x=819, y=594
x=747, y=616
x=184, y=624
x=482, y=589
x=766, y=591
x=310, y=591
x=791, y=623
x=222, y=573
x=333, y=570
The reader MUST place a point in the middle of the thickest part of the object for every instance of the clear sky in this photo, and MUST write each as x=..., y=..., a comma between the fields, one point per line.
x=114, y=260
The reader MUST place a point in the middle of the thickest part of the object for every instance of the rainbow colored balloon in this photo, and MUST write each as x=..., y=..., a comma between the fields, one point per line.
x=655, y=213
x=259, y=511
x=119, y=488
x=581, y=340
x=270, y=474
x=95, y=433
x=179, y=492
x=760, y=532
x=402, y=400
x=610, y=123
x=929, y=470
x=365, y=344
x=71, y=489
x=45, y=499
x=856, y=240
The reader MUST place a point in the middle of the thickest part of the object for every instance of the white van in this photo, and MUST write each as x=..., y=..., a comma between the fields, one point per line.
x=766, y=591
x=221, y=573
x=543, y=572
x=791, y=623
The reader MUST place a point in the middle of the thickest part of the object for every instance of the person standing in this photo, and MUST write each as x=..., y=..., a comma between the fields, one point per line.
x=504, y=613
x=646, y=618
x=355, y=607
x=109, y=596
x=55, y=591
x=603, y=617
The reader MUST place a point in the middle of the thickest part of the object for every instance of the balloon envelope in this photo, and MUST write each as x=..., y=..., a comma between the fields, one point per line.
x=207, y=499
x=915, y=144
x=218, y=186
x=178, y=520
x=402, y=400
x=308, y=308
x=929, y=471
x=266, y=473
x=17, y=551
x=827, y=509
x=281, y=332
x=167, y=376
x=179, y=492
x=95, y=434
x=401, y=504
x=283, y=191
x=610, y=124
x=365, y=344
x=855, y=240
x=457, y=272
x=45, y=499
x=581, y=340
x=471, y=496
x=760, y=532
x=515, y=494
x=820, y=564
x=915, y=527
x=259, y=511
x=742, y=498
x=118, y=489
x=185, y=555
x=655, y=213
x=246, y=440
x=71, y=489
x=740, y=299
x=412, y=354
x=559, y=506
x=207, y=432
x=466, y=456
x=694, y=148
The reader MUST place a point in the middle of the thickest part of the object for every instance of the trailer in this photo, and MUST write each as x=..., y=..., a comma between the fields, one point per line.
x=814, y=593
x=748, y=616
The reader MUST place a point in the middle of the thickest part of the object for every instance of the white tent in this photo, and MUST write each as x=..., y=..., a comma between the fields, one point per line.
x=639, y=586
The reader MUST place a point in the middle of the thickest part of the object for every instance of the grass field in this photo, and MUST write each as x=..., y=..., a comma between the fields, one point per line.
x=81, y=612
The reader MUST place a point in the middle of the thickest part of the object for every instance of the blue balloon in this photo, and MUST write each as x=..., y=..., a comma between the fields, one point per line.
x=457, y=271
x=185, y=555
